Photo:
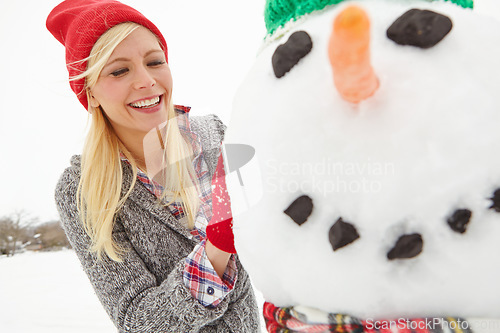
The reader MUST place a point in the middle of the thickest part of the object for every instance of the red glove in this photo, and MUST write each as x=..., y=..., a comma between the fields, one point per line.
x=220, y=227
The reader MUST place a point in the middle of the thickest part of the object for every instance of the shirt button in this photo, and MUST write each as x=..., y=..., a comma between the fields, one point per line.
x=210, y=290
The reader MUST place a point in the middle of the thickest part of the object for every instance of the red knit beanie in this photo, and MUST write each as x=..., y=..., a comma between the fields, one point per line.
x=78, y=24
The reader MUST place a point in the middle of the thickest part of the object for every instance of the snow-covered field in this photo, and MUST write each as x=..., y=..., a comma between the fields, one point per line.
x=49, y=293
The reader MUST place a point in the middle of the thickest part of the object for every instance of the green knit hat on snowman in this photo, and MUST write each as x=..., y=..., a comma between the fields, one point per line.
x=279, y=12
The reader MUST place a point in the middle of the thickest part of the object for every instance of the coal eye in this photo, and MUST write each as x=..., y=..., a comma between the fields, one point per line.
x=421, y=28
x=406, y=247
x=342, y=234
x=496, y=201
x=287, y=55
x=300, y=209
x=459, y=219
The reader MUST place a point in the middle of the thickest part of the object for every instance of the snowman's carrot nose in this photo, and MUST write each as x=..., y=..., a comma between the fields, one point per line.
x=349, y=53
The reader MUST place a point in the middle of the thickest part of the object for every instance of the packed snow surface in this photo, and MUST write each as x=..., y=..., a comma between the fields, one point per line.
x=49, y=292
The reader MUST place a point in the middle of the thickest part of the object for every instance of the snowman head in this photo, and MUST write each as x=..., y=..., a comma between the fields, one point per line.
x=375, y=128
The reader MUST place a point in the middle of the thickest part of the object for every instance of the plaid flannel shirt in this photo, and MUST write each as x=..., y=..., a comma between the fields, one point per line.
x=199, y=275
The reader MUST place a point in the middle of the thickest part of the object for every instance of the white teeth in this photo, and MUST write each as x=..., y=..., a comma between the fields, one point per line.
x=146, y=103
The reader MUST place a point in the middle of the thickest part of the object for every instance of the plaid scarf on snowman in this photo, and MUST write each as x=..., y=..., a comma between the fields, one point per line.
x=300, y=319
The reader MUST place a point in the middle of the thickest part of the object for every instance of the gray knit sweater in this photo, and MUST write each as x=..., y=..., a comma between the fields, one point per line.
x=146, y=293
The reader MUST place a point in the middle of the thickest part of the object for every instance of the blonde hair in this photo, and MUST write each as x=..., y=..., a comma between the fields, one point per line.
x=99, y=190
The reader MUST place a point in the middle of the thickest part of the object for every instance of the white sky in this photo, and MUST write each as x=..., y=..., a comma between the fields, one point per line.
x=212, y=45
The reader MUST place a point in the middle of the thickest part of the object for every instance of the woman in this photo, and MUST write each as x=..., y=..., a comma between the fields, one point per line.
x=136, y=205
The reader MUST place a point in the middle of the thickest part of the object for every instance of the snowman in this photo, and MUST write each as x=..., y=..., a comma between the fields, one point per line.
x=374, y=186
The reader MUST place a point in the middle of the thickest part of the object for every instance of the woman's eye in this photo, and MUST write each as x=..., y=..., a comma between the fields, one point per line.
x=119, y=72
x=156, y=63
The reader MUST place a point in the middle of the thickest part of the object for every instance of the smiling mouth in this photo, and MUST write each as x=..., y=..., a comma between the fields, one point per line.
x=147, y=103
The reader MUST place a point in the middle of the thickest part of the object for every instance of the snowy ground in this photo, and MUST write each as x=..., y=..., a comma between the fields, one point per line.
x=49, y=293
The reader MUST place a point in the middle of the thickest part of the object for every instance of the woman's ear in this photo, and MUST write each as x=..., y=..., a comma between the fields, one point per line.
x=93, y=101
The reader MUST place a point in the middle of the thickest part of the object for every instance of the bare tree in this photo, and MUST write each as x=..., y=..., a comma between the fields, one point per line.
x=13, y=231
x=51, y=235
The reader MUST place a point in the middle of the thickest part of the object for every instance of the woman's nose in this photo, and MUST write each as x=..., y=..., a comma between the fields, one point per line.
x=143, y=78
